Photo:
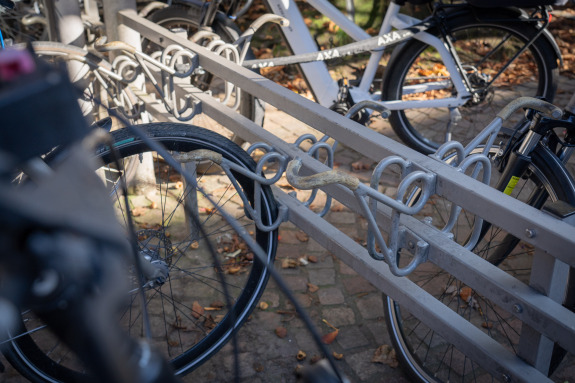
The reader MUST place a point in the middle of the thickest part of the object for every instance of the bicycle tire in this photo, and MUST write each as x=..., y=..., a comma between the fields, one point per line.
x=423, y=354
x=186, y=339
x=534, y=73
x=179, y=16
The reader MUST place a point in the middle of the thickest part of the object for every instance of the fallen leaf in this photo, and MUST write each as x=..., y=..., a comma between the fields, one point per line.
x=329, y=338
x=281, y=332
x=197, y=310
x=233, y=270
x=258, y=367
x=301, y=236
x=288, y=263
x=218, y=304
x=138, y=211
x=385, y=355
x=195, y=245
x=312, y=288
x=312, y=258
x=337, y=356
x=359, y=166
x=487, y=325
x=153, y=205
x=465, y=293
x=263, y=305
x=209, y=322
x=301, y=355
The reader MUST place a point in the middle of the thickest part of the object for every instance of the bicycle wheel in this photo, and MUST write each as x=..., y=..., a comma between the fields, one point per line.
x=483, y=47
x=186, y=305
x=181, y=18
x=424, y=354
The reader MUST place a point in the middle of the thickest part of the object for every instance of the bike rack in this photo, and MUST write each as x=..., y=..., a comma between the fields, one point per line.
x=546, y=319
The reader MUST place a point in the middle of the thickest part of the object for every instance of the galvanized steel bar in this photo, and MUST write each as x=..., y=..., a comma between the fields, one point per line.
x=510, y=214
x=485, y=351
x=540, y=312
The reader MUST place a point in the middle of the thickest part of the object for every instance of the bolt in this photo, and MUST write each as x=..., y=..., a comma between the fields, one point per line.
x=517, y=308
x=530, y=233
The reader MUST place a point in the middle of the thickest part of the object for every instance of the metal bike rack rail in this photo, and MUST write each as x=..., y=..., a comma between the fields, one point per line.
x=541, y=313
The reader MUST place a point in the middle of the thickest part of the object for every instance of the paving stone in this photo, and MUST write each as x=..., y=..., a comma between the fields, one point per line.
x=371, y=306
x=378, y=331
x=266, y=320
x=323, y=260
x=366, y=370
x=357, y=285
x=322, y=277
x=296, y=282
x=330, y=296
x=351, y=337
x=345, y=269
x=340, y=316
x=272, y=298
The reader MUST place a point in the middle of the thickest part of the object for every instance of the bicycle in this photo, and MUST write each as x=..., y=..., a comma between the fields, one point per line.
x=425, y=355
x=177, y=258
x=428, y=100
x=530, y=167
x=178, y=227
x=67, y=270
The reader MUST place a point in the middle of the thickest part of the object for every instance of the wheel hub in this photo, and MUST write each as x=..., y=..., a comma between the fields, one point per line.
x=156, y=251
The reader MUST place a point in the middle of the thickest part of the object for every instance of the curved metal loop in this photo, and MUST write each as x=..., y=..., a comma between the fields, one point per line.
x=314, y=151
x=204, y=34
x=126, y=67
x=419, y=183
x=259, y=180
x=180, y=57
x=300, y=140
x=478, y=161
x=447, y=148
x=232, y=169
x=247, y=36
x=260, y=145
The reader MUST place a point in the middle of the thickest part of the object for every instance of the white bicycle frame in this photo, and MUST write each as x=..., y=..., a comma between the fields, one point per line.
x=325, y=89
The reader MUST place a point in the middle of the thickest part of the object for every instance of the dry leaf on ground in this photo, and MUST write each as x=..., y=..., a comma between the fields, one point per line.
x=312, y=288
x=281, y=332
x=301, y=236
x=138, y=211
x=197, y=310
x=385, y=355
x=329, y=338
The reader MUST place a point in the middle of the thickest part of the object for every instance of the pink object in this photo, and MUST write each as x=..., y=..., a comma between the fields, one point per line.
x=15, y=62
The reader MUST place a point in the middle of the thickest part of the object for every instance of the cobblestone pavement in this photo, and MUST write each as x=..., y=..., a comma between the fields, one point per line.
x=343, y=298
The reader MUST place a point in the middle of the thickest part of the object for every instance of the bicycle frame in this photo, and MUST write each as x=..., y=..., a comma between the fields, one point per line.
x=325, y=89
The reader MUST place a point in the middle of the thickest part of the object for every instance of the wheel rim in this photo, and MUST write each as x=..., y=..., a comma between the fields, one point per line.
x=187, y=329
x=525, y=77
x=426, y=354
